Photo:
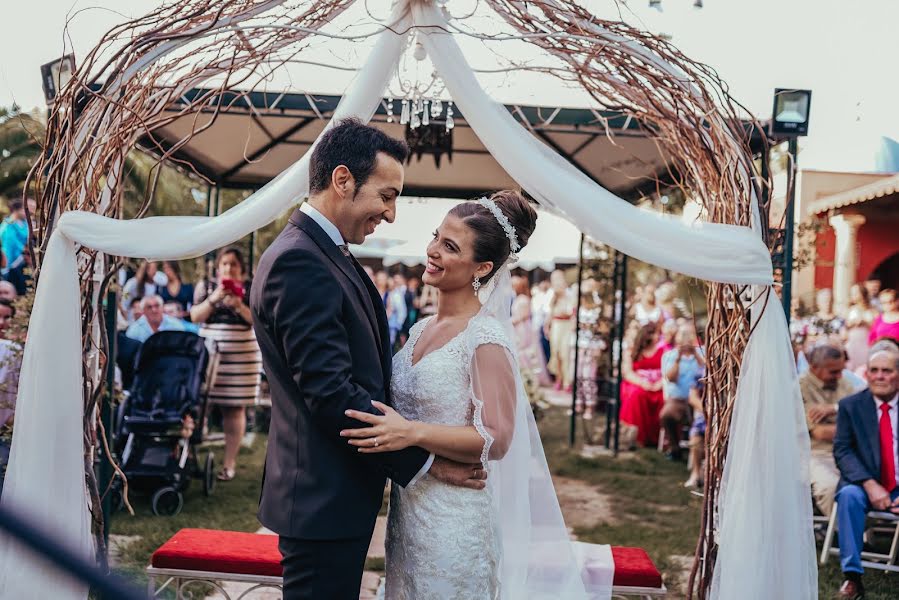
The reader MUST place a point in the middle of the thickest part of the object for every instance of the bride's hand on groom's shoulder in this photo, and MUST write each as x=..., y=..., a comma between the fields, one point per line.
x=388, y=432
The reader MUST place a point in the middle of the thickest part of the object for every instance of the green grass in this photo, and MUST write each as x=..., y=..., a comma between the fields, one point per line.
x=232, y=506
x=652, y=510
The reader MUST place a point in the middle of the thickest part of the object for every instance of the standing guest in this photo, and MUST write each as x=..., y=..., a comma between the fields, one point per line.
x=14, y=233
x=589, y=348
x=825, y=321
x=866, y=450
x=886, y=325
x=872, y=286
x=397, y=310
x=220, y=306
x=175, y=290
x=560, y=330
x=146, y=282
x=413, y=295
x=859, y=319
x=540, y=299
x=8, y=291
x=682, y=367
x=428, y=301
x=667, y=339
x=641, y=388
x=665, y=298
x=646, y=310
x=370, y=272
x=822, y=387
x=382, y=282
x=152, y=319
x=530, y=353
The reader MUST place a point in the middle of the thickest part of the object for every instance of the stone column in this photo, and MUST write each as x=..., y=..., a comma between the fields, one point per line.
x=845, y=228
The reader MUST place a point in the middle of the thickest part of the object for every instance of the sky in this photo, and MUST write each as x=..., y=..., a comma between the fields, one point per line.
x=844, y=52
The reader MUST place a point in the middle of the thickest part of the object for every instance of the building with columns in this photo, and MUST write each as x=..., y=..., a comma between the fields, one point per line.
x=849, y=225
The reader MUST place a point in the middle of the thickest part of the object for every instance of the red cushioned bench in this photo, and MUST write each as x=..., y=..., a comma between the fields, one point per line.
x=210, y=555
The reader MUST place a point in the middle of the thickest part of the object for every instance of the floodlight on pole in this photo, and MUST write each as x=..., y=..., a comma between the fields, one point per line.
x=790, y=112
x=55, y=75
x=789, y=119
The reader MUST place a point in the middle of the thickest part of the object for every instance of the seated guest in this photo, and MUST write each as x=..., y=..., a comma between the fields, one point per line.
x=153, y=320
x=822, y=387
x=682, y=366
x=867, y=452
x=176, y=311
x=8, y=291
x=10, y=364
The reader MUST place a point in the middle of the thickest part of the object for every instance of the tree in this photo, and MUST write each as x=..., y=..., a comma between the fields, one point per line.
x=21, y=143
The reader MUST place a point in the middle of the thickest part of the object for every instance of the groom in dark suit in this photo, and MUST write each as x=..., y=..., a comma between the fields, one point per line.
x=326, y=349
x=866, y=449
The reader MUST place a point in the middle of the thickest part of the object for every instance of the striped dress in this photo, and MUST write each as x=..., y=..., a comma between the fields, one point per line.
x=238, y=375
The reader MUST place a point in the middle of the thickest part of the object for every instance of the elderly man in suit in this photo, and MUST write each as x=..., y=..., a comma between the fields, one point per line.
x=867, y=453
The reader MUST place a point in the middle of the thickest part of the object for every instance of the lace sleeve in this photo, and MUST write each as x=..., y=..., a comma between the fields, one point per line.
x=493, y=389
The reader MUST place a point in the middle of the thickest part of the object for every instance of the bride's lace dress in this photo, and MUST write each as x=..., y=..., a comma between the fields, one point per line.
x=443, y=542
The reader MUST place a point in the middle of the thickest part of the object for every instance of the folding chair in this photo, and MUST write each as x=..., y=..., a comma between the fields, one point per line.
x=885, y=522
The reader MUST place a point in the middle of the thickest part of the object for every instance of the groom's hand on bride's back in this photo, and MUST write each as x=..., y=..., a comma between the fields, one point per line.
x=459, y=474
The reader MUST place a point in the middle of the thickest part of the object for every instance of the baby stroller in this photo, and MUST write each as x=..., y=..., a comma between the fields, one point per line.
x=161, y=421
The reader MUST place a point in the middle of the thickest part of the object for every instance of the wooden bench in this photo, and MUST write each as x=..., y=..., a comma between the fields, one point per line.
x=212, y=556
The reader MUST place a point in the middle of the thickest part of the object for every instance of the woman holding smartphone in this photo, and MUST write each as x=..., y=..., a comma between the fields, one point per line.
x=220, y=306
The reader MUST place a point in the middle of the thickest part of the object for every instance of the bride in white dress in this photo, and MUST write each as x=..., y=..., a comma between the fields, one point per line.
x=457, y=392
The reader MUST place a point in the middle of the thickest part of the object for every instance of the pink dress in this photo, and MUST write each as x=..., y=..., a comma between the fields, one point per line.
x=881, y=329
x=640, y=407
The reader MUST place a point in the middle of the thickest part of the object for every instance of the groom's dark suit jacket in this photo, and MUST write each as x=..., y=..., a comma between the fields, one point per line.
x=856, y=443
x=325, y=348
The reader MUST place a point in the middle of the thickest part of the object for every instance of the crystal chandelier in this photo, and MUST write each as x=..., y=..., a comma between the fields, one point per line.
x=419, y=95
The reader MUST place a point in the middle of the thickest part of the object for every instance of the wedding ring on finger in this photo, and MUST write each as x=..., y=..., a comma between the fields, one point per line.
x=374, y=442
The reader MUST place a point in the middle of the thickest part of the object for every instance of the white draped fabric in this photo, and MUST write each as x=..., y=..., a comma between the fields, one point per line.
x=766, y=544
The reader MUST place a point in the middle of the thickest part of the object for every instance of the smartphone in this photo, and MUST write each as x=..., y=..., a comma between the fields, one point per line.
x=233, y=286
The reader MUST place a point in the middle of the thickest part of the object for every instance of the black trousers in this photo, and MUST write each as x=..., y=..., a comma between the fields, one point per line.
x=322, y=569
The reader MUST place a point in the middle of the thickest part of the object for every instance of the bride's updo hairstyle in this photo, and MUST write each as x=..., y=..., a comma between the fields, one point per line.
x=491, y=243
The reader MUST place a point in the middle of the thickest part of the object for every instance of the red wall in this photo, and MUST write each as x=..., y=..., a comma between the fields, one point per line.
x=878, y=240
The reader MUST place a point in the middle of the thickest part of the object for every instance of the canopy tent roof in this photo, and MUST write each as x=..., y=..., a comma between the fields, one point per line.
x=247, y=139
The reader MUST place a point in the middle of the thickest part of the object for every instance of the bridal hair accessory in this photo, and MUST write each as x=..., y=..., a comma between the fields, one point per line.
x=506, y=225
x=476, y=284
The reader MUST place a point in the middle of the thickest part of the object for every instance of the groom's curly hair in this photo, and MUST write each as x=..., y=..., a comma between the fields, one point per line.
x=354, y=145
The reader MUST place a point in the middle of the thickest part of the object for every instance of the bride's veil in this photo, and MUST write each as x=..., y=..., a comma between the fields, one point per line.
x=538, y=559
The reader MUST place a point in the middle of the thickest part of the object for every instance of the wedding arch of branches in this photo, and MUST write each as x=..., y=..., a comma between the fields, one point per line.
x=120, y=90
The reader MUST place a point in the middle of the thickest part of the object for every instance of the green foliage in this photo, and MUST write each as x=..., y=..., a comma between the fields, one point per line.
x=21, y=139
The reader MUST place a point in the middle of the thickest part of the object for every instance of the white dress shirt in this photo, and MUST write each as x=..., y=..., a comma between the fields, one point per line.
x=338, y=240
x=894, y=418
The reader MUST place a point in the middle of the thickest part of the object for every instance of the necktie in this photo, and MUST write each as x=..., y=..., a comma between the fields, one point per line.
x=887, y=461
